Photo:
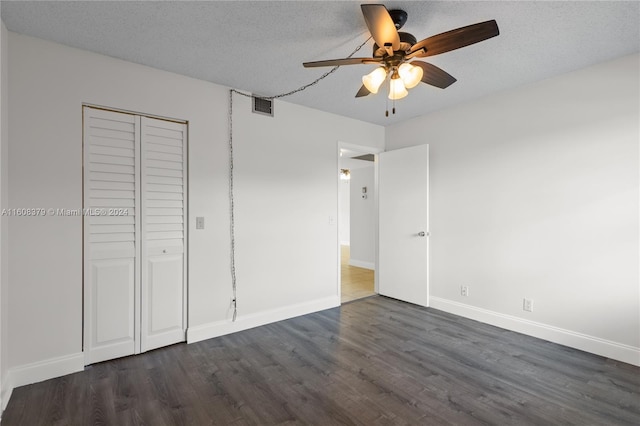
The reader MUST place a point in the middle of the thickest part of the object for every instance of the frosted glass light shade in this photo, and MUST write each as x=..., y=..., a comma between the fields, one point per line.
x=410, y=75
x=397, y=89
x=374, y=79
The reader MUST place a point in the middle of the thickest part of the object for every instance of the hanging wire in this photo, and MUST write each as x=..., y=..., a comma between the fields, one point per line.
x=232, y=226
x=306, y=86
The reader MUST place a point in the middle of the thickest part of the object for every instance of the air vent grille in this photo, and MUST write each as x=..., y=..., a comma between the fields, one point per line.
x=366, y=157
x=262, y=106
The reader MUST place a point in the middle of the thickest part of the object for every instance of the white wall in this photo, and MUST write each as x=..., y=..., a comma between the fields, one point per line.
x=286, y=184
x=344, y=204
x=4, y=194
x=363, y=215
x=288, y=248
x=534, y=193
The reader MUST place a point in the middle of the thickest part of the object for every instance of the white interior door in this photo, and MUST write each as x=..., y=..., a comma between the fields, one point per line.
x=164, y=181
x=403, y=254
x=111, y=234
x=135, y=186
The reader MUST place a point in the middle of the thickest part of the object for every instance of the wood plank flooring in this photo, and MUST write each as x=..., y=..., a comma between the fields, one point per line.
x=356, y=282
x=375, y=361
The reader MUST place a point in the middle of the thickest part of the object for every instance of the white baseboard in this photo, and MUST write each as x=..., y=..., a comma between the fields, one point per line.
x=362, y=264
x=584, y=342
x=7, y=390
x=245, y=322
x=40, y=371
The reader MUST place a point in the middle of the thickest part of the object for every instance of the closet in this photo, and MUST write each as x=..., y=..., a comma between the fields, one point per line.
x=134, y=218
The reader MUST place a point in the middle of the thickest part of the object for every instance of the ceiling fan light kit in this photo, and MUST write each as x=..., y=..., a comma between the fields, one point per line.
x=410, y=75
x=397, y=90
x=394, y=51
x=374, y=79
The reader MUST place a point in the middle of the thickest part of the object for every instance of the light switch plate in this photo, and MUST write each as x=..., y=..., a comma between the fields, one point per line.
x=199, y=222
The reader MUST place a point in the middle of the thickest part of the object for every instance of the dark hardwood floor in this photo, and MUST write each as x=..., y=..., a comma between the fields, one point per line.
x=375, y=361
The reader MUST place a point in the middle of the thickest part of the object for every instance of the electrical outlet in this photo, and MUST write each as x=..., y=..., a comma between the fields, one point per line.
x=527, y=305
x=464, y=290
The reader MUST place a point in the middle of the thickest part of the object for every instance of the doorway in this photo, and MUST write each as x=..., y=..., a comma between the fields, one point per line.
x=357, y=221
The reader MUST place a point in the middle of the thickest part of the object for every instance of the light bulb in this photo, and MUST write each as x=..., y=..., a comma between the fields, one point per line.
x=397, y=89
x=374, y=79
x=411, y=75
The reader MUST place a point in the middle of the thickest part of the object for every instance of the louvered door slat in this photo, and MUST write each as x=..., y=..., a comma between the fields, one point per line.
x=165, y=179
x=160, y=164
x=111, y=159
x=163, y=188
x=99, y=184
x=128, y=152
x=112, y=203
x=163, y=219
x=110, y=171
x=152, y=171
x=116, y=134
x=111, y=142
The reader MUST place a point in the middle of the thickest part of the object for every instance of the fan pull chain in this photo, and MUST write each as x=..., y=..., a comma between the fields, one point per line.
x=232, y=225
x=386, y=102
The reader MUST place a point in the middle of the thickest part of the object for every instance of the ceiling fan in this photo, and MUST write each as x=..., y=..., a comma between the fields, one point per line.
x=394, y=50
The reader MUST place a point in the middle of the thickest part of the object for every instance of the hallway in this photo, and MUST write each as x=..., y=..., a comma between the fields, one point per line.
x=356, y=282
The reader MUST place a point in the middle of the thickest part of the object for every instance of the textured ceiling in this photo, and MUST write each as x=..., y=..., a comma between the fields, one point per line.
x=260, y=46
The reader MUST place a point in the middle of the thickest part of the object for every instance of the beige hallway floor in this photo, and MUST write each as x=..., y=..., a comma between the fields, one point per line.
x=356, y=282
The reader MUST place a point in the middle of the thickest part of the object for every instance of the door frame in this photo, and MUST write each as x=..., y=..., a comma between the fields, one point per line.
x=363, y=149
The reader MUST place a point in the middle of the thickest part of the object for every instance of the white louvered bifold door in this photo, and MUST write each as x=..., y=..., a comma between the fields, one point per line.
x=135, y=202
x=164, y=181
x=111, y=234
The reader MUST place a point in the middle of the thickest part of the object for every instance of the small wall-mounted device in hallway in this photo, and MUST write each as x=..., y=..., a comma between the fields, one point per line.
x=364, y=192
x=464, y=290
x=199, y=222
x=527, y=305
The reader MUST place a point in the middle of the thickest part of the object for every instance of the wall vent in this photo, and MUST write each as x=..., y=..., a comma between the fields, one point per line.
x=366, y=157
x=262, y=106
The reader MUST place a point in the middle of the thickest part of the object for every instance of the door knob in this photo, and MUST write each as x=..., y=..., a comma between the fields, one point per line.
x=421, y=234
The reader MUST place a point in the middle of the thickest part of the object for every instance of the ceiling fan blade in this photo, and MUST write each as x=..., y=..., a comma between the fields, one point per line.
x=434, y=76
x=339, y=62
x=381, y=26
x=455, y=39
x=362, y=92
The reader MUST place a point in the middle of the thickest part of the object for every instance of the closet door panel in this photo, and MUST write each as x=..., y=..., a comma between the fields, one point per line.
x=113, y=286
x=163, y=178
x=111, y=248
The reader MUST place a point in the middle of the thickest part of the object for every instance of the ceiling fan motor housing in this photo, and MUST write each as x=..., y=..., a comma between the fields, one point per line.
x=399, y=17
x=406, y=41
